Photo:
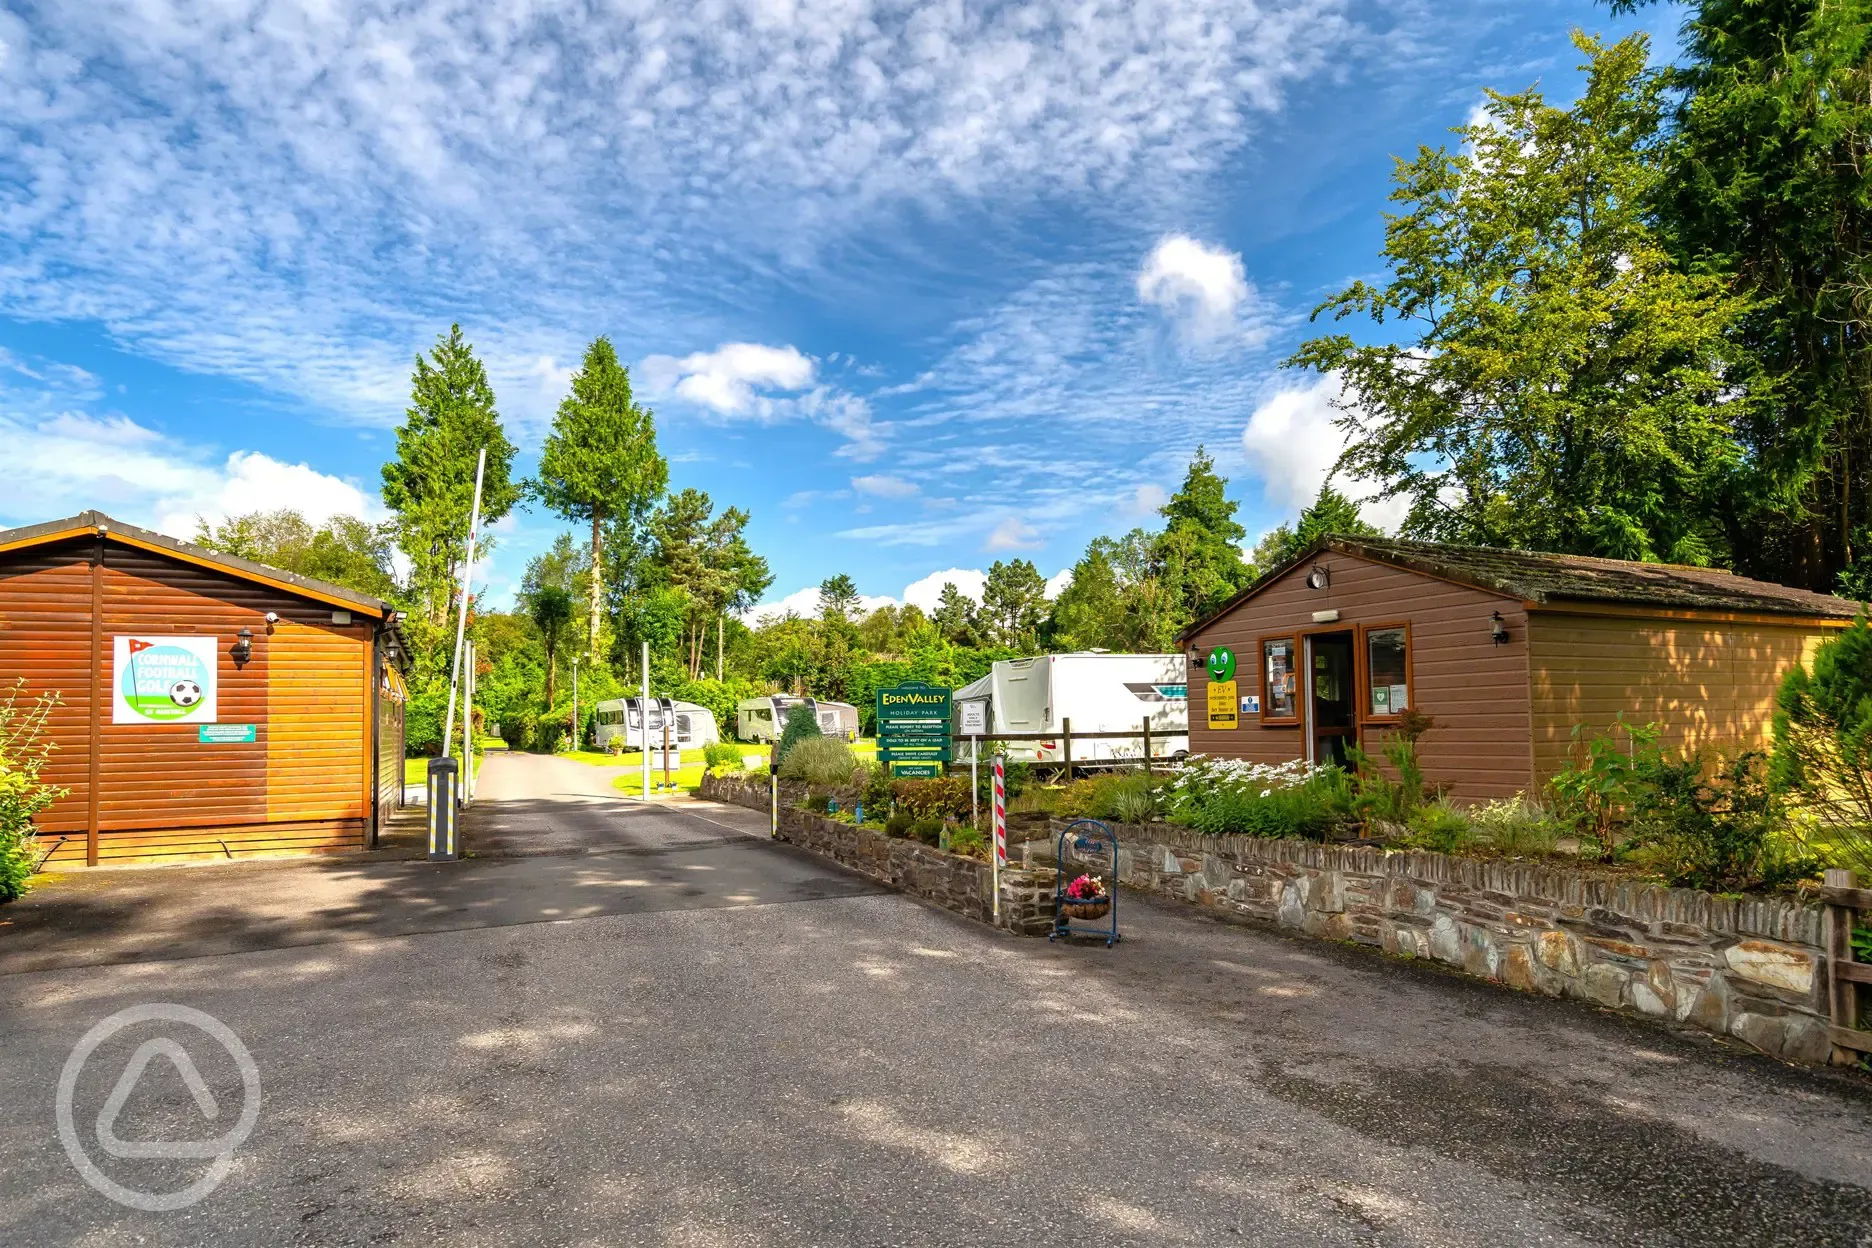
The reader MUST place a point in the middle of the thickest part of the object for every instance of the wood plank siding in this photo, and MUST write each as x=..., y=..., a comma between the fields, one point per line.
x=1709, y=683
x=1474, y=689
x=305, y=783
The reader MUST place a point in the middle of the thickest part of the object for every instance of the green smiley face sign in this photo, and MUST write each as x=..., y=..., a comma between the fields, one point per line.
x=1221, y=663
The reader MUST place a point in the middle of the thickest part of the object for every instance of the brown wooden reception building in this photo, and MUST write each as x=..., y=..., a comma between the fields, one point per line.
x=1506, y=651
x=208, y=706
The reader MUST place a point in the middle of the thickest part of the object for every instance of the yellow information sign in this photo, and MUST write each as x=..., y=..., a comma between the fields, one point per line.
x=1223, y=713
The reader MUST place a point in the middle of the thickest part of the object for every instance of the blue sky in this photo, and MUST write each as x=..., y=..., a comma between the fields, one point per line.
x=919, y=285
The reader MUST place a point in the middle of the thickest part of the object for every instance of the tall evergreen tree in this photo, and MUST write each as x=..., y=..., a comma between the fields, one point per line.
x=1014, y=603
x=955, y=616
x=429, y=486
x=600, y=462
x=838, y=595
x=1197, y=559
x=1329, y=513
x=1769, y=185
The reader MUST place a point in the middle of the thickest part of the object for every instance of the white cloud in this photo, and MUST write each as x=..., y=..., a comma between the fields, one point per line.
x=1292, y=444
x=885, y=486
x=1203, y=289
x=1012, y=533
x=300, y=199
x=71, y=462
x=250, y=481
x=805, y=603
x=926, y=592
x=1057, y=583
x=725, y=380
x=1149, y=499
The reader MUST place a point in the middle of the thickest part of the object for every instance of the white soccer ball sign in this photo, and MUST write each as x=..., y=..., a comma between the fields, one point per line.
x=185, y=693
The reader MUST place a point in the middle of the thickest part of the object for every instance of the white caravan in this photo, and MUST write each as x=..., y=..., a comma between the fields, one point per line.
x=764, y=718
x=1098, y=692
x=691, y=726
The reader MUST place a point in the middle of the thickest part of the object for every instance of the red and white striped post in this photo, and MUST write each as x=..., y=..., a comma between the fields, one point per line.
x=1000, y=826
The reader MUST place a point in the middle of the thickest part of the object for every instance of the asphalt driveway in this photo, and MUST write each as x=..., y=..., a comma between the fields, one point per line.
x=649, y=1025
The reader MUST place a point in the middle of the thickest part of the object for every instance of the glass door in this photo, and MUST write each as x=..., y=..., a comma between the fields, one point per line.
x=1330, y=723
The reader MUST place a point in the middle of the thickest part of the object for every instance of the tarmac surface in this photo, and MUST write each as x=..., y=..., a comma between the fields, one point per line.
x=646, y=1024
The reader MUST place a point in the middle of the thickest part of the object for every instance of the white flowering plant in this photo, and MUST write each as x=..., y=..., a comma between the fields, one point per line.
x=1222, y=796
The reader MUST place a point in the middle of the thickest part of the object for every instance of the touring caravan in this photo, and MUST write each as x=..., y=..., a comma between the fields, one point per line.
x=691, y=726
x=764, y=718
x=1098, y=692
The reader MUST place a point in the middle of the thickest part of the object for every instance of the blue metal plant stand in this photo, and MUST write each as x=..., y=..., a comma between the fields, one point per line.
x=1087, y=835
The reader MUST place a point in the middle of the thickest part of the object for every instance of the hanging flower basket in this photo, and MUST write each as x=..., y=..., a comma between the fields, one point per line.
x=1086, y=899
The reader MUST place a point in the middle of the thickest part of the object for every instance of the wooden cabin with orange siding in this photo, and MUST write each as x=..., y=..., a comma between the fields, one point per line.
x=1505, y=651
x=208, y=706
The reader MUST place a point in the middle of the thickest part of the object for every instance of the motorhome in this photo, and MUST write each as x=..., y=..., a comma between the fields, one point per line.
x=1097, y=692
x=691, y=726
x=764, y=718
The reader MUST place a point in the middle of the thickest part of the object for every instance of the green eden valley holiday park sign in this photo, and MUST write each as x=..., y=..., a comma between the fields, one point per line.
x=913, y=728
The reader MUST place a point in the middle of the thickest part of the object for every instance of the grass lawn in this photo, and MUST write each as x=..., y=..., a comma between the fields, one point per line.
x=416, y=770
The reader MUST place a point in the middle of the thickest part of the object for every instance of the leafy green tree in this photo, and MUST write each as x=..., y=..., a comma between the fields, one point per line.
x=344, y=550
x=1567, y=387
x=1769, y=186
x=955, y=615
x=1014, y=603
x=1330, y=513
x=550, y=609
x=600, y=462
x=429, y=486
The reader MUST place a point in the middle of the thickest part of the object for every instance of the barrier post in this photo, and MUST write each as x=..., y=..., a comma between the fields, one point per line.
x=442, y=777
x=1000, y=827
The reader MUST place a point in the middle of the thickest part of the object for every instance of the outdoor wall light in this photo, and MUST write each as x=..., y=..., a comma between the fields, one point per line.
x=243, y=648
x=1196, y=655
x=1498, y=629
x=1319, y=578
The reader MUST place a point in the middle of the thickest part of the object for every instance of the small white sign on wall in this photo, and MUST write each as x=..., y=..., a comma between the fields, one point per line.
x=163, y=680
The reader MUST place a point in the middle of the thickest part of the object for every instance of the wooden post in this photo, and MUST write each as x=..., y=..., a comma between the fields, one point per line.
x=1147, y=757
x=99, y=694
x=1842, y=993
x=1066, y=736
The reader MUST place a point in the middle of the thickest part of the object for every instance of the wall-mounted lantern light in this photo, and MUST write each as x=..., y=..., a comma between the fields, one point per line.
x=1498, y=629
x=1319, y=578
x=243, y=648
x=1196, y=656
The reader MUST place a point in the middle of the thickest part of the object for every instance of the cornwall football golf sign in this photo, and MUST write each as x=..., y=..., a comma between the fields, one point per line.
x=163, y=680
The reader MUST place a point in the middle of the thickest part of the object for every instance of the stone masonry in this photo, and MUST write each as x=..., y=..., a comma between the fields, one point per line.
x=963, y=885
x=1749, y=967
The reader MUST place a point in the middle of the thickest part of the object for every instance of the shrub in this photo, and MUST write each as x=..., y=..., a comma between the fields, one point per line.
x=1379, y=796
x=1823, y=746
x=801, y=725
x=929, y=831
x=1719, y=836
x=23, y=795
x=938, y=798
x=817, y=803
x=1598, y=795
x=1439, y=826
x=1517, y=826
x=876, y=792
x=899, y=824
x=969, y=843
x=722, y=757
x=1016, y=775
x=820, y=761
x=1037, y=800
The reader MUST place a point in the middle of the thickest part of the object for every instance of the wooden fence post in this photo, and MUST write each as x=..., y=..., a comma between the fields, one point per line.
x=1066, y=737
x=1842, y=992
x=1147, y=757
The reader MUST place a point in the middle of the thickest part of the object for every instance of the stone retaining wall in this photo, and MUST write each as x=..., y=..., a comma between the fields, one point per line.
x=963, y=885
x=1750, y=967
